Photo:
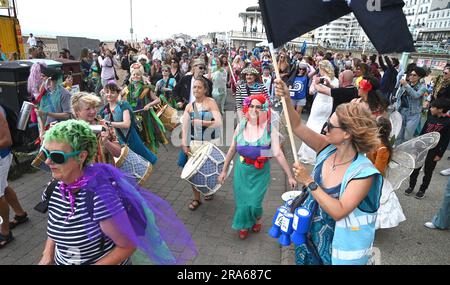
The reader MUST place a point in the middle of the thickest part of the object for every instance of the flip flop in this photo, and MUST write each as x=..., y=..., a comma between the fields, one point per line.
x=4, y=240
x=18, y=220
x=194, y=205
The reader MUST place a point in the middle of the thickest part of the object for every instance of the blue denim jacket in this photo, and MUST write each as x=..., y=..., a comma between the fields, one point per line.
x=414, y=97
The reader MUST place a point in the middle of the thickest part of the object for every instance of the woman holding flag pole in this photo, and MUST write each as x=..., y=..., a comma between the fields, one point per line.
x=344, y=214
x=343, y=230
x=345, y=188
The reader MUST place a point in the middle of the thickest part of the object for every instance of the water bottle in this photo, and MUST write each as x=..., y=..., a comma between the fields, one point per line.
x=24, y=116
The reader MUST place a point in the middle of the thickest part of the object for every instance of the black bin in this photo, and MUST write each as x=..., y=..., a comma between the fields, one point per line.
x=13, y=92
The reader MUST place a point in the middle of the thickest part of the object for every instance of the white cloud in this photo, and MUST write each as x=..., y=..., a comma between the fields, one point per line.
x=110, y=20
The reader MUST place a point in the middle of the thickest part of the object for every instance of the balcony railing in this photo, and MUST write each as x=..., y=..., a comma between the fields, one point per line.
x=248, y=35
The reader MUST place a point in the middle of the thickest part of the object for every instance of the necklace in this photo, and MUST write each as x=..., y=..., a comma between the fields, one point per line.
x=333, y=167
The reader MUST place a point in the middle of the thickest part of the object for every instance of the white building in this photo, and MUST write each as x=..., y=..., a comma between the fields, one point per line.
x=335, y=33
x=437, y=26
x=344, y=32
x=416, y=12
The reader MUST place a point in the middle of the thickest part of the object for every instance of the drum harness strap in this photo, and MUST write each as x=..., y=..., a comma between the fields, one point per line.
x=119, y=131
x=42, y=207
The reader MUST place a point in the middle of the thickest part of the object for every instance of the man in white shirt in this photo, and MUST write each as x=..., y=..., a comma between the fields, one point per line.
x=32, y=41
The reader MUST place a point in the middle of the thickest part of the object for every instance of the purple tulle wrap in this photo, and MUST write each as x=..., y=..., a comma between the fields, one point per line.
x=160, y=237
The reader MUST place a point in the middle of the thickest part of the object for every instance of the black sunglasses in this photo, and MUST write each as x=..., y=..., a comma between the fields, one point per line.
x=330, y=126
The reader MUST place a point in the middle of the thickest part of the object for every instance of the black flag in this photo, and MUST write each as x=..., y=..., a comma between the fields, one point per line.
x=387, y=28
x=287, y=19
x=382, y=20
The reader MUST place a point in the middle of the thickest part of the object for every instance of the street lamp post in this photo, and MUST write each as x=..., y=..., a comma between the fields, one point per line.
x=131, y=17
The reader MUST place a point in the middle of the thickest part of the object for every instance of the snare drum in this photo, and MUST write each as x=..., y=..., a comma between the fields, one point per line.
x=169, y=117
x=39, y=162
x=204, y=167
x=132, y=163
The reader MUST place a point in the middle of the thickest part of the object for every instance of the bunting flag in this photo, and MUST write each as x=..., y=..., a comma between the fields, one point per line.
x=382, y=20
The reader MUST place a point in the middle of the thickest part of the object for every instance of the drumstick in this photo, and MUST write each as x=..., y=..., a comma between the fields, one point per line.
x=139, y=111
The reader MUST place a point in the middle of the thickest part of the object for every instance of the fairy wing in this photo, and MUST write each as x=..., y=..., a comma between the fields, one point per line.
x=400, y=168
x=396, y=122
x=419, y=147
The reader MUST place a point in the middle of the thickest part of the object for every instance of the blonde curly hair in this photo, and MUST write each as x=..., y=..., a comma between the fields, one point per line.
x=358, y=121
x=326, y=67
x=87, y=99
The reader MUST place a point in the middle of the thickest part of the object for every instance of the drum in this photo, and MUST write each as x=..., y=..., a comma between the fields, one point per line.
x=203, y=169
x=39, y=162
x=132, y=163
x=169, y=117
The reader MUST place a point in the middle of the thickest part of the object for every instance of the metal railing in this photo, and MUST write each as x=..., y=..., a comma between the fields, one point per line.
x=248, y=35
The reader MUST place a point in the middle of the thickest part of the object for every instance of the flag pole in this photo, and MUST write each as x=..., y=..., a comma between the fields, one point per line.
x=232, y=73
x=283, y=102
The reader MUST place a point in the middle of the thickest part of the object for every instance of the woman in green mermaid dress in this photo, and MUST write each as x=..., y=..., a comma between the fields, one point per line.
x=142, y=98
x=256, y=142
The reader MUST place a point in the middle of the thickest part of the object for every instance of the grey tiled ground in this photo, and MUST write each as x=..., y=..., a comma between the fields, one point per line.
x=210, y=225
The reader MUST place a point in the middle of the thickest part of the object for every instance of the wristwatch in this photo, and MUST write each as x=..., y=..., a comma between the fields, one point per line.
x=312, y=186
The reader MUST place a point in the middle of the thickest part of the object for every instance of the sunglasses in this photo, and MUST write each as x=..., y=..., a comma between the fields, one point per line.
x=201, y=67
x=257, y=107
x=59, y=157
x=330, y=126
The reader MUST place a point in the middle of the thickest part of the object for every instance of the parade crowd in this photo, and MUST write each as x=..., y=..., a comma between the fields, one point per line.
x=361, y=112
